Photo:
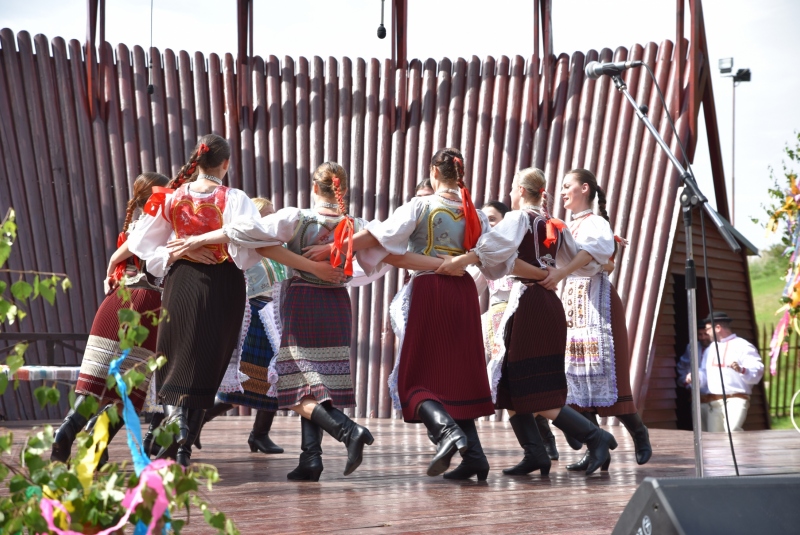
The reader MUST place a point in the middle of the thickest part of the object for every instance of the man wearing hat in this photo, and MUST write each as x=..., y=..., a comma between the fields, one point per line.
x=685, y=362
x=741, y=368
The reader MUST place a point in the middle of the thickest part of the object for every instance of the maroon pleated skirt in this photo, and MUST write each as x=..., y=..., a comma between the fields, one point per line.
x=442, y=358
x=533, y=377
x=622, y=361
x=103, y=347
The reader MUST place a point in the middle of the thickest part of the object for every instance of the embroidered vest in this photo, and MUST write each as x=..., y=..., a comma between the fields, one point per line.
x=440, y=229
x=532, y=249
x=193, y=216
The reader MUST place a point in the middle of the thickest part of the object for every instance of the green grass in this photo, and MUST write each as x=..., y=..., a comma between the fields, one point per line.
x=766, y=300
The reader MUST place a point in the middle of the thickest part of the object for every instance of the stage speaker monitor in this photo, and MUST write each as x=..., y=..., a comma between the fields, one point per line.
x=710, y=506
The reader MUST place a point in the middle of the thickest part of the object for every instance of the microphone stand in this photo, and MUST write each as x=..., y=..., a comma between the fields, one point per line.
x=690, y=197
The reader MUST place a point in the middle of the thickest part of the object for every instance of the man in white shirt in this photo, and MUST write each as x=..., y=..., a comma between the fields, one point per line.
x=741, y=368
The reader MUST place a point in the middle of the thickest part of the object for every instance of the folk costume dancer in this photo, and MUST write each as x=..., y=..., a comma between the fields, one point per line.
x=258, y=350
x=438, y=378
x=597, y=360
x=102, y=346
x=313, y=363
x=205, y=300
x=526, y=372
x=499, y=292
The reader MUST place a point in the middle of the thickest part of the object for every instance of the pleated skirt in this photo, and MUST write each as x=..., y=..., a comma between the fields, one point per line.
x=314, y=357
x=442, y=358
x=533, y=377
x=102, y=348
x=205, y=304
x=622, y=358
x=256, y=355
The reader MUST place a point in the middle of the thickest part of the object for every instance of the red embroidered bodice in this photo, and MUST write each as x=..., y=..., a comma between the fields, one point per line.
x=193, y=216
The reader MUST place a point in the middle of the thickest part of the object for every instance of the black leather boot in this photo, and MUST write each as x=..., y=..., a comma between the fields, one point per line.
x=180, y=416
x=573, y=442
x=195, y=422
x=536, y=457
x=339, y=426
x=213, y=412
x=310, y=466
x=259, y=437
x=641, y=437
x=148, y=441
x=473, y=461
x=65, y=436
x=547, y=437
x=581, y=465
x=598, y=441
x=448, y=437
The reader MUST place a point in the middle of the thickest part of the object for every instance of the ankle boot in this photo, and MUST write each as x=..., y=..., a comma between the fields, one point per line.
x=194, y=420
x=573, y=442
x=339, y=426
x=641, y=437
x=178, y=415
x=597, y=441
x=259, y=437
x=310, y=466
x=581, y=465
x=448, y=437
x=547, y=437
x=218, y=409
x=473, y=461
x=148, y=442
x=536, y=457
x=65, y=436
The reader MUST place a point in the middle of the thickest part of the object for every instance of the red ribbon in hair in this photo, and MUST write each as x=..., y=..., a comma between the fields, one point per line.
x=203, y=148
x=156, y=201
x=472, y=229
x=344, y=231
x=554, y=226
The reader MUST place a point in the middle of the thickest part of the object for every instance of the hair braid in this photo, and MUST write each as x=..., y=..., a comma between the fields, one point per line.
x=132, y=204
x=601, y=203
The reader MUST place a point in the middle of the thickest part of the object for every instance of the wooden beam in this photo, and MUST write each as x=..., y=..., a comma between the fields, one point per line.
x=244, y=53
x=94, y=9
x=400, y=33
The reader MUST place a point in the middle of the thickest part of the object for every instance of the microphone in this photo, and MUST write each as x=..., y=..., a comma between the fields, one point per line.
x=595, y=70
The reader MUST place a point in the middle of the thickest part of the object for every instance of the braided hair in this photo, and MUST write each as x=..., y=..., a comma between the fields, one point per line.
x=142, y=189
x=211, y=151
x=584, y=176
x=450, y=163
x=331, y=179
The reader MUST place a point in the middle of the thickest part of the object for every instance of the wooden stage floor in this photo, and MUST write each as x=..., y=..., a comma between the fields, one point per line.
x=390, y=492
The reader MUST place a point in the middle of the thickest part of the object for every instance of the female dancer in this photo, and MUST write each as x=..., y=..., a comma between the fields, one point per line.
x=258, y=350
x=313, y=362
x=205, y=302
x=438, y=378
x=499, y=291
x=527, y=370
x=103, y=344
x=597, y=360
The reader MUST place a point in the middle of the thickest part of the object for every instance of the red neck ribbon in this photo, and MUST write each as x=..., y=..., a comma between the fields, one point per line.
x=344, y=231
x=156, y=201
x=554, y=226
x=472, y=229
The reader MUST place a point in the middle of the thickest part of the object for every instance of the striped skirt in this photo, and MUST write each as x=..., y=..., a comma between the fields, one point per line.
x=205, y=308
x=256, y=355
x=314, y=358
x=442, y=358
x=533, y=377
x=103, y=347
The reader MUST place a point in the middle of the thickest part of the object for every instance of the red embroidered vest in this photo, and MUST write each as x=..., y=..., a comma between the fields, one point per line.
x=193, y=216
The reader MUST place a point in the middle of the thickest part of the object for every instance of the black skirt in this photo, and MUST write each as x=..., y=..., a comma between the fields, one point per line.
x=205, y=304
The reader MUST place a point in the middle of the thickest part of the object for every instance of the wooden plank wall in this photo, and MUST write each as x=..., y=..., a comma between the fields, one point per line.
x=729, y=276
x=68, y=173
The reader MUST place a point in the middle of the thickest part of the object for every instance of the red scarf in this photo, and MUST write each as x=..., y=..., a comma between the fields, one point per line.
x=472, y=228
x=156, y=201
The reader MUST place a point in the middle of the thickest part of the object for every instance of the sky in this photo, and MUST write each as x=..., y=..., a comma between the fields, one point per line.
x=759, y=35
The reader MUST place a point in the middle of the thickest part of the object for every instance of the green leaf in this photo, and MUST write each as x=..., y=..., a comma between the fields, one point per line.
x=68, y=481
x=5, y=306
x=6, y=441
x=21, y=290
x=53, y=396
x=71, y=397
x=111, y=381
x=41, y=396
x=21, y=314
x=127, y=315
x=3, y=383
x=47, y=291
x=5, y=251
x=36, y=286
x=140, y=334
x=11, y=315
x=16, y=361
x=3, y=287
x=163, y=437
x=88, y=408
x=3, y=473
x=17, y=483
x=65, y=284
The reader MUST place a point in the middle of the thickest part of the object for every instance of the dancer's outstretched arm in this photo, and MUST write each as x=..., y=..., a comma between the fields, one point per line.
x=322, y=270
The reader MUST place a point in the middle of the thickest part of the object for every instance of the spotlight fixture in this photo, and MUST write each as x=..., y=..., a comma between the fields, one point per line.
x=381, y=28
x=725, y=65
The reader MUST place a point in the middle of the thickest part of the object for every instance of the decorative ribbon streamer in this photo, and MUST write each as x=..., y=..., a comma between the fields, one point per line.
x=132, y=426
x=156, y=200
x=89, y=463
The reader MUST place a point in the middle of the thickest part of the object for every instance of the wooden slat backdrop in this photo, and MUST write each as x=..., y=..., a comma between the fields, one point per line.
x=68, y=174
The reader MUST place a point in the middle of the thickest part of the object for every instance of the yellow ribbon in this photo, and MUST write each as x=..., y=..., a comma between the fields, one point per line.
x=88, y=463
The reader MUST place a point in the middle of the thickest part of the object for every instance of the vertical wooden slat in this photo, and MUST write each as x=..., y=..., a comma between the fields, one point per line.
x=119, y=175
x=529, y=105
x=174, y=118
x=202, y=100
x=260, y=134
x=602, y=88
x=498, y=130
x=303, y=133
x=288, y=133
x=143, y=129
x=513, y=120
x=571, y=114
x=159, y=114
x=470, y=122
x=556, y=130
x=413, y=120
x=426, y=141
x=274, y=136
x=458, y=88
x=484, y=128
x=331, y=110
x=442, y=104
x=345, y=109
x=231, y=121
x=189, y=113
x=127, y=114
x=317, y=100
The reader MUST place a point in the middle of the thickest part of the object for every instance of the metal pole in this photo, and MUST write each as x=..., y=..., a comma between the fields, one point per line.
x=733, y=156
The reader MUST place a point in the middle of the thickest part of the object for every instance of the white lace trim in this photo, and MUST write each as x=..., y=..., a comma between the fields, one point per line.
x=151, y=403
x=495, y=366
x=234, y=377
x=270, y=319
x=398, y=314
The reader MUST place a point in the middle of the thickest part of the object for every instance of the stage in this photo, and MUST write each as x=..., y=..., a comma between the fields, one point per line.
x=390, y=492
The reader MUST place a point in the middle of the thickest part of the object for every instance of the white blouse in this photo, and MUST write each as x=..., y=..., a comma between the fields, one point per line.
x=500, y=246
x=149, y=238
x=394, y=233
x=593, y=234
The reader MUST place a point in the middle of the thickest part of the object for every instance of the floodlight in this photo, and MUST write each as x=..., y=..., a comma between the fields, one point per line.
x=725, y=65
